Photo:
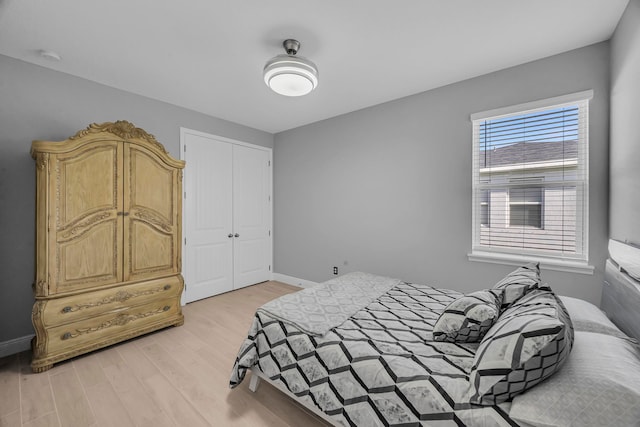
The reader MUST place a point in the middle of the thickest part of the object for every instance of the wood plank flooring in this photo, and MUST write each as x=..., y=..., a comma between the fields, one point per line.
x=174, y=377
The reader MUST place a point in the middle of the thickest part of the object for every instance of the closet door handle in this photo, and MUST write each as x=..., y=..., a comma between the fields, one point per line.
x=230, y=235
x=236, y=235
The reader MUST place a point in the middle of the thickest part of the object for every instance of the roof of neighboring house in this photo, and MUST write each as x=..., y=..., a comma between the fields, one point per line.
x=528, y=152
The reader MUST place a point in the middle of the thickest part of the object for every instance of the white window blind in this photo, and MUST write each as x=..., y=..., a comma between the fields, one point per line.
x=530, y=179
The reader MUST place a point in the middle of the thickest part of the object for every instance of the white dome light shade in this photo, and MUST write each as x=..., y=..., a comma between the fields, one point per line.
x=290, y=84
x=290, y=75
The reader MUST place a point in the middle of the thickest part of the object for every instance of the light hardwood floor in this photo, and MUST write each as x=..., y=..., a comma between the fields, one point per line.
x=173, y=377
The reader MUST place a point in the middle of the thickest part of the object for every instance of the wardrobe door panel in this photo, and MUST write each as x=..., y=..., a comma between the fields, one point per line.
x=85, y=216
x=152, y=213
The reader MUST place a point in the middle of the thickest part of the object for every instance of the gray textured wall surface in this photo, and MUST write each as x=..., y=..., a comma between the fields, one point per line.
x=387, y=189
x=624, y=209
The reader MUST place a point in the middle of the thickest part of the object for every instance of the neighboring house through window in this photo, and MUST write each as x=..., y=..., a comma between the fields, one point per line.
x=525, y=207
x=530, y=183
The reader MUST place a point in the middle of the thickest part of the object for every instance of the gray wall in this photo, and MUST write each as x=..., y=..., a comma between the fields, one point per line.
x=387, y=189
x=624, y=209
x=37, y=103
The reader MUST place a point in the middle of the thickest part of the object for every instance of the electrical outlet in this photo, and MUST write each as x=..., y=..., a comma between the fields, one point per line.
x=335, y=270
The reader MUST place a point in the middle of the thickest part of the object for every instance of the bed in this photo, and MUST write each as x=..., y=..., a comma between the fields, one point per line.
x=366, y=350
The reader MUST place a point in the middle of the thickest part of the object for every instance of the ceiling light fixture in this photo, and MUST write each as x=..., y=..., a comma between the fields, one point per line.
x=290, y=75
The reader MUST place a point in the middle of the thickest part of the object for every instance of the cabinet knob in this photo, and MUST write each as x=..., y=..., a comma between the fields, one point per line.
x=236, y=235
x=167, y=287
x=166, y=308
x=230, y=235
x=67, y=309
x=66, y=335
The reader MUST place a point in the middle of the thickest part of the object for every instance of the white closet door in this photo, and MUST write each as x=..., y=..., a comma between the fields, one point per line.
x=251, y=215
x=208, y=217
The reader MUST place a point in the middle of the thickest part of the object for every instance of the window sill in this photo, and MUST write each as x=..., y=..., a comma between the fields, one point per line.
x=567, y=266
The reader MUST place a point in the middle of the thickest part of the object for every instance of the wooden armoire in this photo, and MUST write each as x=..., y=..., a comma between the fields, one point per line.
x=108, y=240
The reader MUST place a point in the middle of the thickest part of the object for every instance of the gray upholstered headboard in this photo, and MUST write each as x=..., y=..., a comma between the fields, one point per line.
x=621, y=292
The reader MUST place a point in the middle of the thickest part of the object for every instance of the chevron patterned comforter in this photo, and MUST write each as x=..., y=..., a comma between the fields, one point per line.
x=379, y=367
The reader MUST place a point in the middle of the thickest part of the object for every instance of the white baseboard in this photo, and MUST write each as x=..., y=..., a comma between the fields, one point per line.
x=289, y=280
x=16, y=345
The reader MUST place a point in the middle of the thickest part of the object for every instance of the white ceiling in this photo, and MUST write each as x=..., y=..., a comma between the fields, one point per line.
x=207, y=55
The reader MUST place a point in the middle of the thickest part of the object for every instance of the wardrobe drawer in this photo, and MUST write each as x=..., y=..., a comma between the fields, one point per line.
x=58, y=311
x=114, y=326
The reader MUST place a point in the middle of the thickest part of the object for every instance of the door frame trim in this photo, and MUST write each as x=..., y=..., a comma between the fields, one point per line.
x=183, y=132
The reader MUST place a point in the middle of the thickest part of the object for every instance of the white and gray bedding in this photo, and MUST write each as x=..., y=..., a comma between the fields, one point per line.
x=318, y=309
x=381, y=366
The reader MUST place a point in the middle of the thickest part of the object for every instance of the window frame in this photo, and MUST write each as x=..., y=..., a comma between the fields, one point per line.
x=512, y=256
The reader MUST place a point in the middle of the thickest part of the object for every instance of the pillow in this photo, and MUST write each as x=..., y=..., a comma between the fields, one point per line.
x=587, y=317
x=529, y=342
x=517, y=283
x=468, y=318
x=598, y=386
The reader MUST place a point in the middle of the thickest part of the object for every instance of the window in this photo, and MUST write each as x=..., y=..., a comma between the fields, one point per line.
x=530, y=181
x=485, y=196
x=525, y=207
